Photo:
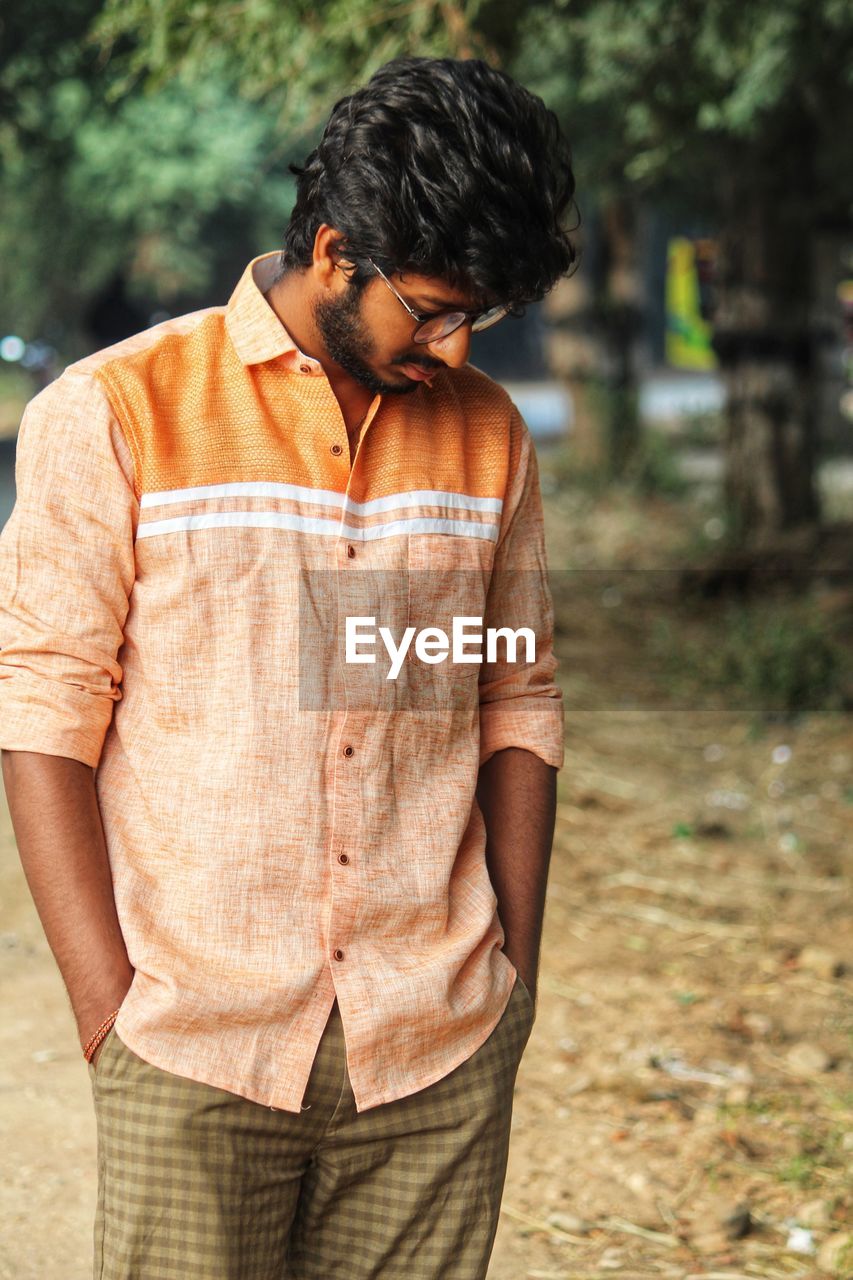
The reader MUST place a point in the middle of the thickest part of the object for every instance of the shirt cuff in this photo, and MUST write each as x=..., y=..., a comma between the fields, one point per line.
x=535, y=723
x=53, y=720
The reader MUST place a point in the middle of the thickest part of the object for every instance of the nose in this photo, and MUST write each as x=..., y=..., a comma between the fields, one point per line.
x=455, y=348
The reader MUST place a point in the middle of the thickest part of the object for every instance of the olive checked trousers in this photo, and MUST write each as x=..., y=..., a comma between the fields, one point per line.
x=197, y=1183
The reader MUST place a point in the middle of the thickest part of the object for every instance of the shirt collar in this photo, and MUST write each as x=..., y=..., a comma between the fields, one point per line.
x=253, y=326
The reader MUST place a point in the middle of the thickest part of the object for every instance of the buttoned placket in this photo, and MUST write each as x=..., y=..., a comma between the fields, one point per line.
x=347, y=728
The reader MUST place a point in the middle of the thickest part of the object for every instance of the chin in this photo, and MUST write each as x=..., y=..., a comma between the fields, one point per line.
x=404, y=388
x=383, y=387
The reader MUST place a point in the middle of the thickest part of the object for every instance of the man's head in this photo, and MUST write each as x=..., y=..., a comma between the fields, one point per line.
x=449, y=180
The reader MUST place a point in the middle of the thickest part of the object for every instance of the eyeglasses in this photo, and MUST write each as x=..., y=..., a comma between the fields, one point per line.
x=431, y=328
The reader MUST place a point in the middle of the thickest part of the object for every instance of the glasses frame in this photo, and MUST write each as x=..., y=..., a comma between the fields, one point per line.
x=480, y=320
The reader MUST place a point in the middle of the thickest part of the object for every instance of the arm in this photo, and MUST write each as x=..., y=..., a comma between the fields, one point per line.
x=60, y=839
x=67, y=569
x=521, y=722
x=517, y=793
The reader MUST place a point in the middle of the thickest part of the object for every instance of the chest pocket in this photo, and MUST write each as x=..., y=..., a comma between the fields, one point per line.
x=448, y=579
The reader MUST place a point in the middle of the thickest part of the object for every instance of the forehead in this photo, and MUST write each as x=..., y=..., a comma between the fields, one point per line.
x=433, y=291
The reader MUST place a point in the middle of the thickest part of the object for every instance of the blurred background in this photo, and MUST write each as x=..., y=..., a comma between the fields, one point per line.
x=684, y=1105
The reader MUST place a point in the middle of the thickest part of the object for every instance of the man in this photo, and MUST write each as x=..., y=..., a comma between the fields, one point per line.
x=297, y=905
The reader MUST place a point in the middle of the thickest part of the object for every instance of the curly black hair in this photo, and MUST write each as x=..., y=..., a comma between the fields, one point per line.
x=442, y=167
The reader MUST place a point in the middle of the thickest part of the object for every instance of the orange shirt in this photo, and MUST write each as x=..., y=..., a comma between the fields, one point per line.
x=283, y=826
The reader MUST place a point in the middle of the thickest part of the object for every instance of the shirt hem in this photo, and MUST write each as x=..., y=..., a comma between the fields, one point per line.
x=367, y=1103
x=291, y=1103
x=364, y=1101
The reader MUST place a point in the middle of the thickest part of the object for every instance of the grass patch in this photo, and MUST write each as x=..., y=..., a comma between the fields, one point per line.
x=799, y=1171
x=779, y=657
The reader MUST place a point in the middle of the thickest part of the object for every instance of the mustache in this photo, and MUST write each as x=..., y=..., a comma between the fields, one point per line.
x=420, y=363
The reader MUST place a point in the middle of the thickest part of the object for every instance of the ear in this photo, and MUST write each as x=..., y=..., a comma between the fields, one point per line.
x=327, y=260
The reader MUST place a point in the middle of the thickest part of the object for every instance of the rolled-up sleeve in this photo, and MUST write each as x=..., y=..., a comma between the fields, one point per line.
x=67, y=569
x=520, y=703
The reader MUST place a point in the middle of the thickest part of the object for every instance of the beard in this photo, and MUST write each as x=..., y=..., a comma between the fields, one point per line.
x=348, y=342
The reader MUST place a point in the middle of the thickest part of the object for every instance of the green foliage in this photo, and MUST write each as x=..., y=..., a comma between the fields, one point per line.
x=701, y=429
x=653, y=467
x=820, y=1148
x=159, y=189
x=648, y=87
x=650, y=467
x=674, y=97
x=16, y=388
x=299, y=57
x=166, y=166
x=787, y=659
x=779, y=658
x=42, y=42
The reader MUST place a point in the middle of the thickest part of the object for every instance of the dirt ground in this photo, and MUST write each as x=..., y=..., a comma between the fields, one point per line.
x=683, y=1108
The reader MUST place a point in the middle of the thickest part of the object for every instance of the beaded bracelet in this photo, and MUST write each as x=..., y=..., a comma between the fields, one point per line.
x=99, y=1036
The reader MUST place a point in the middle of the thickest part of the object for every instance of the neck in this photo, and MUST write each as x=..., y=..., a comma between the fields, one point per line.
x=291, y=300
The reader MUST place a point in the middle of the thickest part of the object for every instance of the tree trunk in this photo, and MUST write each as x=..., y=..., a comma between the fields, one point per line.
x=574, y=355
x=595, y=314
x=621, y=323
x=762, y=335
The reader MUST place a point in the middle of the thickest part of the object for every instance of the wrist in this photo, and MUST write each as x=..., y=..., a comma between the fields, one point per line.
x=98, y=1036
x=107, y=1003
x=527, y=974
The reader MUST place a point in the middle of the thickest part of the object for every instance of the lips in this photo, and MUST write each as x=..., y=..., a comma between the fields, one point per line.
x=417, y=374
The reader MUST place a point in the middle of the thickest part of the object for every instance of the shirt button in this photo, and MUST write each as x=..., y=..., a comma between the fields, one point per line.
x=338, y=954
x=336, y=449
x=349, y=751
x=351, y=551
x=343, y=858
